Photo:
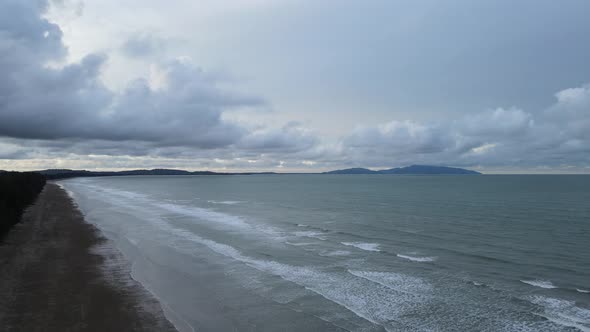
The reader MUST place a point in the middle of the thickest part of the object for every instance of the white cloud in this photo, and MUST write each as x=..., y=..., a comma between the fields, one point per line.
x=574, y=96
x=287, y=139
x=400, y=136
x=498, y=122
x=501, y=137
x=483, y=148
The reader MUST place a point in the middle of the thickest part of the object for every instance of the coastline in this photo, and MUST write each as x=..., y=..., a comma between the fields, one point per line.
x=60, y=273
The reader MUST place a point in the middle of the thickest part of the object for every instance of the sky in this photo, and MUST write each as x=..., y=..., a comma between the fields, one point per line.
x=295, y=86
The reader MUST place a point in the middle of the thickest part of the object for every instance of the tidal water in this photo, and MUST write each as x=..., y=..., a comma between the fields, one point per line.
x=353, y=252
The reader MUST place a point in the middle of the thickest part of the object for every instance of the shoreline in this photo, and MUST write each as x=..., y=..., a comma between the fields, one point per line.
x=60, y=273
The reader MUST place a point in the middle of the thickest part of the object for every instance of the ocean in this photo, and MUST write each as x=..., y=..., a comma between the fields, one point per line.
x=353, y=252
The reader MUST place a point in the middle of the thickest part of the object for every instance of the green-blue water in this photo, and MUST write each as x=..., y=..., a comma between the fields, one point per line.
x=354, y=252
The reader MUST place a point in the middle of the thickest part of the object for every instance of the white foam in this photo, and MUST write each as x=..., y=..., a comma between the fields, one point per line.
x=312, y=234
x=417, y=258
x=334, y=253
x=540, y=283
x=213, y=218
x=201, y=213
x=118, y=192
x=369, y=300
x=567, y=323
x=563, y=312
x=299, y=244
x=132, y=240
x=585, y=291
x=363, y=245
x=225, y=202
x=382, y=300
x=396, y=281
x=178, y=200
x=219, y=218
x=69, y=192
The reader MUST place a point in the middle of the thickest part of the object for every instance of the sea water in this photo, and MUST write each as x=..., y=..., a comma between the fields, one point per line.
x=353, y=252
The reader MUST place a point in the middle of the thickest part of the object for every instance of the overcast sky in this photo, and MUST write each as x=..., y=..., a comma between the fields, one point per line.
x=305, y=85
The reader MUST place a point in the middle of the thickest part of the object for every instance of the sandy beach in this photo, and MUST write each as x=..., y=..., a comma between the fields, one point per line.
x=60, y=274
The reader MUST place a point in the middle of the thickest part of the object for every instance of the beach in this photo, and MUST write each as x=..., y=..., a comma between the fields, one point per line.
x=60, y=274
x=332, y=253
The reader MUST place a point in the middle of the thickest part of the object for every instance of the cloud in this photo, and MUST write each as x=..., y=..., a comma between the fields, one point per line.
x=178, y=115
x=558, y=135
x=572, y=111
x=185, y=108
x=498, y=122
x=38, y=101
x=25, y=37
x=142, y=45
x=400, y=137
x=292, y=137
x=70, y=7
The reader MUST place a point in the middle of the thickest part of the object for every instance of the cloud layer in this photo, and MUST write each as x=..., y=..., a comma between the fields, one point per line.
x=557, y=137
x=180, y=106
x=54, y=113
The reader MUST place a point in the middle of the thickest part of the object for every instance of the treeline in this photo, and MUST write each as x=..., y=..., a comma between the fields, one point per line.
x=17, y=191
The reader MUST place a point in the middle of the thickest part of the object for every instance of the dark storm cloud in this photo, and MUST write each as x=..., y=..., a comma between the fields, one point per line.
x=48, y=102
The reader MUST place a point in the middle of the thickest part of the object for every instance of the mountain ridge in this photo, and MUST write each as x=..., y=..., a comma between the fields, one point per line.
x=54, y=174
x=409, y=170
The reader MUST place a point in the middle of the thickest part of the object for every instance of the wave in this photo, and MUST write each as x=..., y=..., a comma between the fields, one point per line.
x=225, y=202
x=392, y=300
x=417, y=258
x=563, y=312
x=69, y=192
x=334, y=253
x=363, y=245
x=299, y=244
x=585, y=291
x=201, y=213
x=118, y=192
x=396, y=281
x=213, y=218
x=132, y=240
x=316, y=228
x=371, y=301
x=312, y=234
x=540, y=283
x=182, y=201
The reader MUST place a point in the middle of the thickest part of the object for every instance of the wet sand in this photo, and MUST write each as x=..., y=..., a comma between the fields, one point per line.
x=58, y=273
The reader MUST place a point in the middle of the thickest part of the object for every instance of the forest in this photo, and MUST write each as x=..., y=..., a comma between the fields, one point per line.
x=17, y=191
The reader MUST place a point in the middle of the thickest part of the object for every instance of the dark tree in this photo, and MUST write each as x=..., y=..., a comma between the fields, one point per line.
x=17, y=191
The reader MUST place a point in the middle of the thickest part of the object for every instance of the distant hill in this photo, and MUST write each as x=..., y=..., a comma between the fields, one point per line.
x=414, y=169
x=352, y=171
x=54, y=174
